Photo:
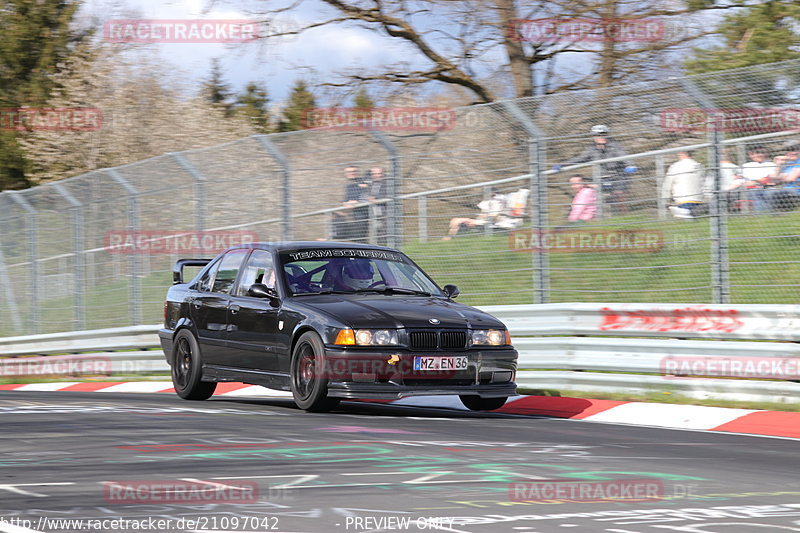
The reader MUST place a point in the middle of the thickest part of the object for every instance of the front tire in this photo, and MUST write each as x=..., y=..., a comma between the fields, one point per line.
x=476, y=403
x=187, y=367
x=309, y=386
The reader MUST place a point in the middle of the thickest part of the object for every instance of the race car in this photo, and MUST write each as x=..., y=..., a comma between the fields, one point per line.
x=330, y=321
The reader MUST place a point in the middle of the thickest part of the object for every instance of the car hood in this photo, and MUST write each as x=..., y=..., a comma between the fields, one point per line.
x=393, y=311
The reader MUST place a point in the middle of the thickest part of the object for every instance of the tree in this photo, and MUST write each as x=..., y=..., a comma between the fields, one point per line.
x=37, y=37
x=363, y=100
x=252, y=104
x=458, y=42
x=301, y=100
x=145, y=113
x=757, y=34
x=215, y=90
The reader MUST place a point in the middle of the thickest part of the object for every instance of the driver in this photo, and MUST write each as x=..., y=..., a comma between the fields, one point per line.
x=358, y=274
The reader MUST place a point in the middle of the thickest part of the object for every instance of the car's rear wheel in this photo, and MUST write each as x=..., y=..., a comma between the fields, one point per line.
x=187, y=368
x=309, y=385
x=476, y=403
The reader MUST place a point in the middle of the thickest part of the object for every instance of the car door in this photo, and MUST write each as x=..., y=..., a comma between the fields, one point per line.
x=209, y=306
x=253, y=322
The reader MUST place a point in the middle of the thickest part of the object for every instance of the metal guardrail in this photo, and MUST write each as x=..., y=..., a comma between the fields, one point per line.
x=562, y=346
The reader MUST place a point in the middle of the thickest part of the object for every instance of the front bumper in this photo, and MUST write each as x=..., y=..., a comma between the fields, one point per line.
x=355, y=373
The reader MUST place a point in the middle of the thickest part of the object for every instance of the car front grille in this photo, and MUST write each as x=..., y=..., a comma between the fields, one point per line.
x=438, y=340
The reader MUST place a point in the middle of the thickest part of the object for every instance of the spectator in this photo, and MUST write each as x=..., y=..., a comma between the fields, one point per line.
x=584, y=203
x=683, y=185
x=351, y=225
x=377, y=189
x=491, y=210
x=732, y=185
x=788, y=176
x=758, y=174
x=614, y=174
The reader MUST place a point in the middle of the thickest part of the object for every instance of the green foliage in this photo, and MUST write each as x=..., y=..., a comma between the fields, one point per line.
x=753, y=35
x=363, y=99
x=215, y=90
x=301, y=101
x=37, y=38
x=252, y=103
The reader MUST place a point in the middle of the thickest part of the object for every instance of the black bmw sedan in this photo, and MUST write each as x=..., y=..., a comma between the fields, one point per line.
x=330, y=320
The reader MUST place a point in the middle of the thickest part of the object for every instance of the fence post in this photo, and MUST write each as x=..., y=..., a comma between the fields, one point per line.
x=538, y=200
x=78, y=245
x=11, y=299
x=718, y=211
x=422, y=218
x=199, y=189
x=394, y=209
x=660, y=200
x=286, y=191
x=133, y=224
x=33, y=251
x=597, y=180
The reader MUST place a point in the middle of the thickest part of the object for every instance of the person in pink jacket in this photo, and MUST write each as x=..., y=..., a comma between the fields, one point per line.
x=584, y=204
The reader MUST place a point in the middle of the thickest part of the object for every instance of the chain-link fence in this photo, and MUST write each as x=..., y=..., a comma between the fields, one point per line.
x=690, y=199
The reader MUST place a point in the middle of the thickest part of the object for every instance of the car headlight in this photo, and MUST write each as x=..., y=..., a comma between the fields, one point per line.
x=490, y=337
x=367, y=337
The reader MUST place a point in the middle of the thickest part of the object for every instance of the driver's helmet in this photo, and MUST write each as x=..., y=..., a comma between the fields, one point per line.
x=358, y=273
x=600, y=130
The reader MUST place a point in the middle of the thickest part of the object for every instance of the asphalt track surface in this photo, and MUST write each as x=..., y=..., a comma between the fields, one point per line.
x=371, y=467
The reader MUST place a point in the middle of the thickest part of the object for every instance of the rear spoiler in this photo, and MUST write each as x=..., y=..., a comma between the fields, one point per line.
x=177, y=270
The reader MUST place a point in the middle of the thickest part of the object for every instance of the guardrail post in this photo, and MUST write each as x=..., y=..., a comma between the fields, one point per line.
x=394, y=209
x=78, y=246
x=538, y=200
x=133, y=224
x=33, y=251
x=199, y=189
x=718, y=210
x=286, y=191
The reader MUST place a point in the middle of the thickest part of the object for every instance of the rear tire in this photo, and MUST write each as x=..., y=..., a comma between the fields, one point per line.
x=187, y=368
x=476, y=403
x=309, y=386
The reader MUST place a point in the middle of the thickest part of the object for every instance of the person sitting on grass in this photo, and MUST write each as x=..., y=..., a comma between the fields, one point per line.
x=491, y=209
x=584, y=204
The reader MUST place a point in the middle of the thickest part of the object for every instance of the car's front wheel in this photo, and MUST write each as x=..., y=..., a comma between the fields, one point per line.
x=187, y=368
x=476, y=403
x=309, y=383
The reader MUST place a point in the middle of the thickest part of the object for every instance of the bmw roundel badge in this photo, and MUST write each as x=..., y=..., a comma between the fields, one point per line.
x=434, y=321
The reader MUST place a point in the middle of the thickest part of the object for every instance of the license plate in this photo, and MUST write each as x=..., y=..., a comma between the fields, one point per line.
x=457, y=362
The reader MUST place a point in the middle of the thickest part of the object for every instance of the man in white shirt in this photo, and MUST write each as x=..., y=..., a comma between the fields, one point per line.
x=683, y=185
x=759, y=173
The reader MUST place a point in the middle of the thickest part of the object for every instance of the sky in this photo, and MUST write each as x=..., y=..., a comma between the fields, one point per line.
x=275, y=64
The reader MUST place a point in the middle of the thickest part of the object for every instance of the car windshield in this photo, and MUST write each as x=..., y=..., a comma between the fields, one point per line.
x=322, y=271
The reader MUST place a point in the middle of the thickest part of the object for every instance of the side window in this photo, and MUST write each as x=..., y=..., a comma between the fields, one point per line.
x=259, y=269
x=205, y=282
x=228, y=270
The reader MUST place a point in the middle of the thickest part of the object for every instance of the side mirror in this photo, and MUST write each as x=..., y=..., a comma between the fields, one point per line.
x=451, y=291
x=259, y=290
